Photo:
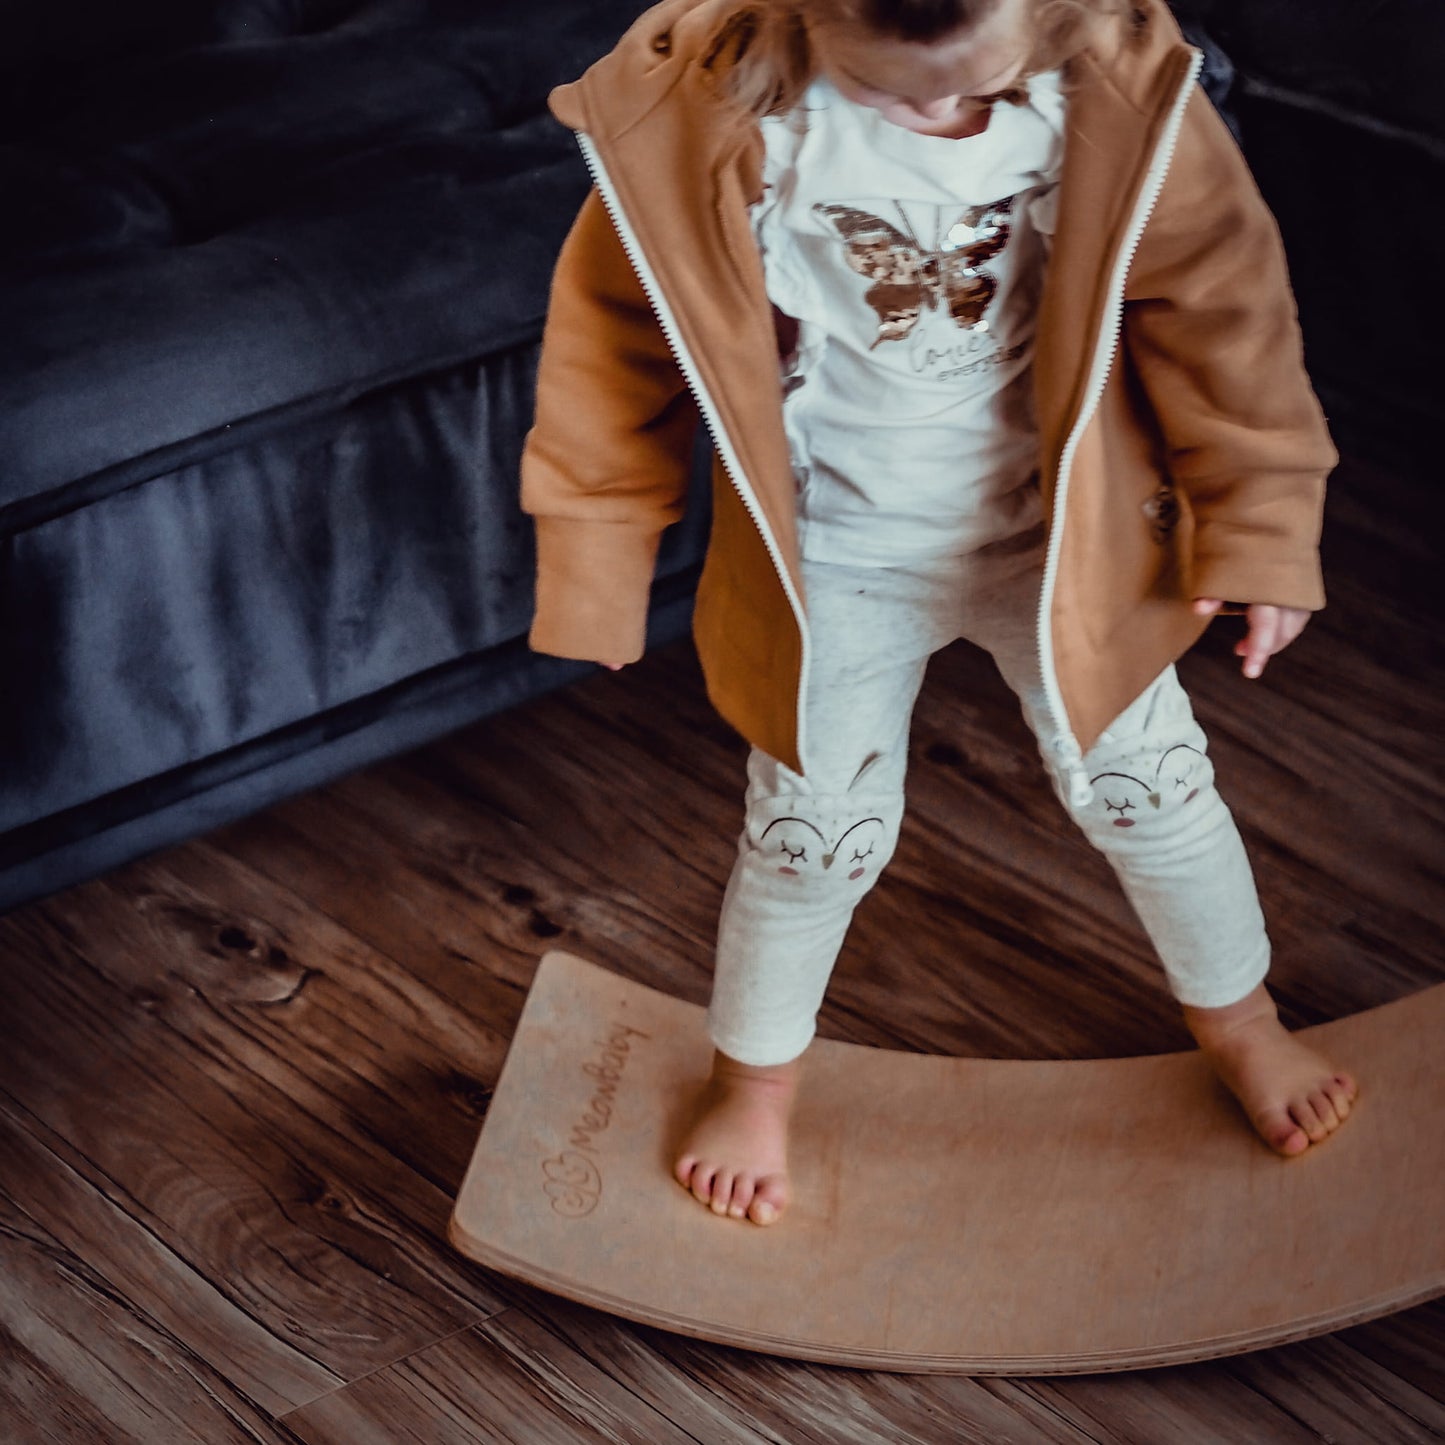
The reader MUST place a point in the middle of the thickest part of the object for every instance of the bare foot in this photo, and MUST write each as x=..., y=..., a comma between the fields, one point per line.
x=1292, y=1094
x=734, y=1158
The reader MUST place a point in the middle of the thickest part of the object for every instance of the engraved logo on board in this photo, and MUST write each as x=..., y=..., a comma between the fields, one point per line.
x=572, y=1179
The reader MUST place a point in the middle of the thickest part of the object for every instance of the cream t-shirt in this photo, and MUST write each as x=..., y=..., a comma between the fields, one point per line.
x=914, y=266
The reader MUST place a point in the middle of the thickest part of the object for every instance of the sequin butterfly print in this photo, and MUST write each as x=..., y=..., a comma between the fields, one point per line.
x=800, y=844
x=907, y=276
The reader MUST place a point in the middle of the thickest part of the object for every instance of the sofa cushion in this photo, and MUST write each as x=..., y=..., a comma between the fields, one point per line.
x=226, y=229
x=390, y=266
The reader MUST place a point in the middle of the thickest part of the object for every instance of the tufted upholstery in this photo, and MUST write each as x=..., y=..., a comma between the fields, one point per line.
x=337, y=174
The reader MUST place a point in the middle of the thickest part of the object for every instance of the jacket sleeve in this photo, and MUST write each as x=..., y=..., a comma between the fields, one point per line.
x=606, y=464
x=1211, y=329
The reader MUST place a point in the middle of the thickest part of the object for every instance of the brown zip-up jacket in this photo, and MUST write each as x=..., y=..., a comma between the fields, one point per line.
x=1182, y=451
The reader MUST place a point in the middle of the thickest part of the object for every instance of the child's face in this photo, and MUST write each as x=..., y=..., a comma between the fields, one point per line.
x=930, y=88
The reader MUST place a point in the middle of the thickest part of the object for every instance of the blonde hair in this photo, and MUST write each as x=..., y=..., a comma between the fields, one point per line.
x=769, y=62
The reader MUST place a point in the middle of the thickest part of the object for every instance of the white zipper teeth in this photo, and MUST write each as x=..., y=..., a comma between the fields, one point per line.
x=673, y=336
x=1104, y=354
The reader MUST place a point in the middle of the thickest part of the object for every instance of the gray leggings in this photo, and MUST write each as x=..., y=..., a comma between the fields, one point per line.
x=812, y=847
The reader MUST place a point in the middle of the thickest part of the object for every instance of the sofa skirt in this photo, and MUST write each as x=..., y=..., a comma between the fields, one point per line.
x=340, y=586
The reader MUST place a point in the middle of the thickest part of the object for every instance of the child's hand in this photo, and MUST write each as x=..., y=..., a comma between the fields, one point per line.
x=1271, y=629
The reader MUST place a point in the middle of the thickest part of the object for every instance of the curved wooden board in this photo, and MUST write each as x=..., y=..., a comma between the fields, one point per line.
x=954, y=1215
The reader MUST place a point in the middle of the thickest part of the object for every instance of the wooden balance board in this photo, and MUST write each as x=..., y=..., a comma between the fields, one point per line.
x=955, y=1215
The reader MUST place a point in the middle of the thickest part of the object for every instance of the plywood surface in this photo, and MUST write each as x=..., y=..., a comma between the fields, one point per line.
x=960, y=1215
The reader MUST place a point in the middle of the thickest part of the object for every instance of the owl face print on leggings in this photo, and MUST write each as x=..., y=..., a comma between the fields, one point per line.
x=841, y=848
x=1180, y=775
x=1129, y=798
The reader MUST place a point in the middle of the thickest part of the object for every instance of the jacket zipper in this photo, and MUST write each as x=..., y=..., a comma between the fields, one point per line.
x=1081, y=790
x=711, y=416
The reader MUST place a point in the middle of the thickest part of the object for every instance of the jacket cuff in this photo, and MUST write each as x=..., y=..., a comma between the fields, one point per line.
x=594, y=583
x=1235, y=575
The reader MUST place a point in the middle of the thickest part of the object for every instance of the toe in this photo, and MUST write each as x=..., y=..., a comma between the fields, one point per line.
x=1349, y=1084
x=768, y=1202
x=722, y=1191
x=682, y=1170
x=1324, y=1108
x=743, y=1188
x=702, y=1181
x=1281, y=1132
x=1303, y=1113
x=1341, y=1097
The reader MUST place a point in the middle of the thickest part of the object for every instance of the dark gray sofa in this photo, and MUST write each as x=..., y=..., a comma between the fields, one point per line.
x=272, y=279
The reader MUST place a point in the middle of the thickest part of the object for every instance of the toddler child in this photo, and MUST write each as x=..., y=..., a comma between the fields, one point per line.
x=993, y=337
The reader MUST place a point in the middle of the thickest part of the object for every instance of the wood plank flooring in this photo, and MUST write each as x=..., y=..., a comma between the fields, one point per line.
x=240, y=1081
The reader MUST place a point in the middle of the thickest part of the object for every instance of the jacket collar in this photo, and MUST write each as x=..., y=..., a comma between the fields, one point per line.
x=666, y=46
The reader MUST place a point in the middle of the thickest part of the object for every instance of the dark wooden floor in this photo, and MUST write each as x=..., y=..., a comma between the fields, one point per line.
x=240, y=1082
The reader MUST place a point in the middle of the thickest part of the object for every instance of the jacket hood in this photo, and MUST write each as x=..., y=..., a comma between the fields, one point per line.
x=664, y=44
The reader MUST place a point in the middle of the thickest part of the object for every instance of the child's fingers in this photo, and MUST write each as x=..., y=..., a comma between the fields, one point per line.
x=1271, y=629
x=1292, y=623
x=1264, y=639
